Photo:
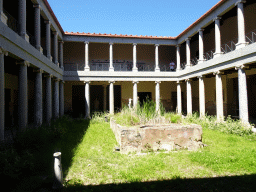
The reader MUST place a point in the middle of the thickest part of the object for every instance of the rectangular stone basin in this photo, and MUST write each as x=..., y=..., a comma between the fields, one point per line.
x=157, y=137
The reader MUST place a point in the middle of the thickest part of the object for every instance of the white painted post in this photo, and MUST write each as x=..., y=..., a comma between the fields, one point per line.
x=86, y=67
x=158, y=96
x=135, y=93
x=23, y=95
x=37, y=27
x=189, y=97
x=188, y=65
x=178, y=57
x=242, y=94
x=111, y=97
x=201, y=96
x=218, y=51
x=201, y=46
x=179, y=101
x=219, y=96
x=87, y=99
x=111, y=68
x=157, y=69
x=38, y=113
x=2, y=93
x=58, y=179
x=240, y=23
x=134, y=69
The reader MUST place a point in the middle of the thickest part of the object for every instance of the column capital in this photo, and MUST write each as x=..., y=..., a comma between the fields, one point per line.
x=188, y=39
x=87, y=82
x=48, y=75
x=38, y=70
x=86, y=42
x=135, y=82
x=3, y=51
x=25, y=63
x=61, y=42
x=56, y=79
x=201, y=29
x=240, y=1
x=218, y=73
x=217, y=18
x=55, y=33
x=134, y=44
x=241, y=67
x=178, y=45
x=178, y=82
x=111, y=82
x=47, y=22
x=111, y=43
x=156, y=45
x=157, y=81
x=187, y=80
x=37, y=6
x=200, y=76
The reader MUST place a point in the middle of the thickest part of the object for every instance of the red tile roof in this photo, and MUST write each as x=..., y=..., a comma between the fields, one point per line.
x=134, y=36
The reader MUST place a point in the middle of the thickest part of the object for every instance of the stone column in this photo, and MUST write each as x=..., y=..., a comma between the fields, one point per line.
x=188, y=65
x=201, y=96
x=135, y=93
x=217, y=38
x=157, y=69
x=240, y=23
x=37, y=27
x=22, y=20
x=23, y=95
x=219, y=96
x=134, y=58
x=189, y=97
x=111, y=68
x=111, y=97
x=179, y=99
x=158, y=96
x=38, y=106
x=56, y=99
x=61, y=98
x=55, y=47
x=61, y=54
x=2, y=93
x=201, y=46
x=48, y=39
x=105, y=97
x=2, y=15
x=242, y=94
x=87, y=99
x=86, y=65
x=178, y=57
x=48, y=98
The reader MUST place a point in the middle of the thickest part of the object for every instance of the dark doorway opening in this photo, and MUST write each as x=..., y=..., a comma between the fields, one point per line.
x=7, y=102
x=78, y=100
x=143, y=96
x=96, y=96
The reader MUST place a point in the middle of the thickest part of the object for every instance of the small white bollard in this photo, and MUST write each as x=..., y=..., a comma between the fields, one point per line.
x=130, y=103
x=58, y=179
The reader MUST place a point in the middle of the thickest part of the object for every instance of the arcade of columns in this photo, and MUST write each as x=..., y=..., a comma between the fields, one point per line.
x=243, y=101
x=57, y=109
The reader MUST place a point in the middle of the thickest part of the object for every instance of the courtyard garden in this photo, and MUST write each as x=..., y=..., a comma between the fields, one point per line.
x=227, y=162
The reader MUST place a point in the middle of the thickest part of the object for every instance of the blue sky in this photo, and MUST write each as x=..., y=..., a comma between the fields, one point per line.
x=136, y=17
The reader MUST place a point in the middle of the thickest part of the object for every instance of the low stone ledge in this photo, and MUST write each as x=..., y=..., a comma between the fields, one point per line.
x=167, y=137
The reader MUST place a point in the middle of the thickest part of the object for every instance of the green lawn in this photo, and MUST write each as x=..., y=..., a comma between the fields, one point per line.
x=95, y=161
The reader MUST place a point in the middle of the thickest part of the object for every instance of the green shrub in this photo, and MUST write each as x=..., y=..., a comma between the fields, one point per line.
x=173, y=117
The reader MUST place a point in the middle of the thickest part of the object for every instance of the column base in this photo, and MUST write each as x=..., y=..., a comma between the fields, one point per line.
x=111, y=68
x=87, y=69
x=201, y=61
x=57, y=63
x=4, y=18
x=135, y=69
x=215, y=55
x=188, y=65
x=241, y=45
x=157, y=69
x=27, y=37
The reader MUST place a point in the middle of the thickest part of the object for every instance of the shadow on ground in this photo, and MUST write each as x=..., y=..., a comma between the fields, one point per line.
x=228, y=183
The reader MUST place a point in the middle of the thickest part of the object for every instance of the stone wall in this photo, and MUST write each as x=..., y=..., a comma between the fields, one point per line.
x=157, y=137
